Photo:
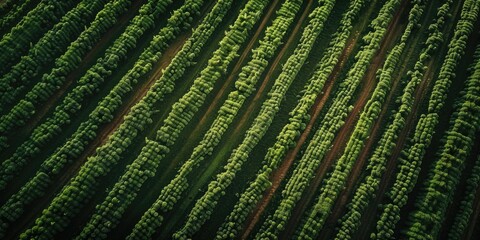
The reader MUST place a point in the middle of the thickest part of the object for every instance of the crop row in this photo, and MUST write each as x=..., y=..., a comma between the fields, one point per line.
x=134, y=175
x=108, y=213
x=299, y=117
x=444, y=176
x=388, y=141
x=244, y=86
x=65, y=64
x=412, y=156
x=15, y=43
x=30, y=65
x=314, y=221
x=72, y=103
x=185, y=108
x=180, y=20
x=89, y=84
x=15, y=10
x=318, y=146
x=465, y=211
x=52, y=44
x=204, y=206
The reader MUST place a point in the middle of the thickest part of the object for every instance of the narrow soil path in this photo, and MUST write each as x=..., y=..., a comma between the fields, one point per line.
x=101, y=138
x=474, y=218
x=341, y=203
x=388, y=176
x=368, y=221
x=109, y=128
x=278, y=175
x=368, y=84
x=229, y=80
x=273, y=67
x=137, y=95
x=254, y=104
x=204, y=174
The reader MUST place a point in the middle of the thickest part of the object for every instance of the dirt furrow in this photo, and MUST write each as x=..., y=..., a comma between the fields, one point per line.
x=229, y=79
x=389, y=174
x=142, y=90
x=272, y=69
x=240, y=126
x=340, y=204
x=359, y=164
x=199, y=127
x=474, y=219
x=345, y=132
x=368, y=220
x=279, y=174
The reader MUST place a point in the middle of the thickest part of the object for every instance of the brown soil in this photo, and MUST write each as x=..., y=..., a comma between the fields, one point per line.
x=357, y=169
x=236, y=69
x=368, y=221
x=274, y=66
x=474, y=218
x=280, y=173
x=342, y=137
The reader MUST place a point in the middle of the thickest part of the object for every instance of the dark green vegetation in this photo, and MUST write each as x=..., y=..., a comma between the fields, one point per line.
x=249, y=119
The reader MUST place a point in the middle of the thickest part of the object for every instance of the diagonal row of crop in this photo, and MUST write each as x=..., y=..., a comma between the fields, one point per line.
x=40, y=54
x=88, y=85
x=410, y=161
x=332, y=121
x=298, y=119
x=377, y=162
x=444, y=176
x=108, y=213
x=204, y=206
x=52, y=166
x=244, y=86
x=34, y=25
x=50, y=46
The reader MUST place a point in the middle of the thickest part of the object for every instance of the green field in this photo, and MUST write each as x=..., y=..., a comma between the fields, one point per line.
x=240, y=119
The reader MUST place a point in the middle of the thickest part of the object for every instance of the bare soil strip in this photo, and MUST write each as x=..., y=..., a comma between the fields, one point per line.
x=340, y=204
x=279, y=174
x=241, y=124
x=201, y=173
x=368, y=221
x=357, y=169
x=474, y=219
x=345, y=132
x=273, y=67
x=229, y=80
x=420, y=95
